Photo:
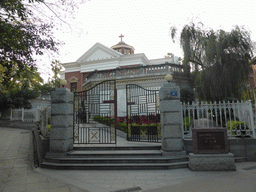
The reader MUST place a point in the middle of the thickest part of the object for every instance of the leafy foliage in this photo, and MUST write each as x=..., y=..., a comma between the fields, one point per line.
x=20, y=89
x=186, y=123
x=187, y=95
x=220, y=60
x=20, y=38
x=237, y=126
x=26, y=30
x=122, y=126
x=103, y=120
x=56, y=67
x=143, y=122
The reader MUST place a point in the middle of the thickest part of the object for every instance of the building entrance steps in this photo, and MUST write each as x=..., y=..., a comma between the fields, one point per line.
x=121, y=156
x=116, y=162
x=124, y=155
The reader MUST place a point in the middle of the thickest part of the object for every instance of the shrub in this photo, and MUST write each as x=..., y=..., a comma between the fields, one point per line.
x=121, y=119
x=142, y=121
x=38, y=123
x=103, y=120
x=122, y=126
x=48, y=128
x=237, y=126
x=186, y=123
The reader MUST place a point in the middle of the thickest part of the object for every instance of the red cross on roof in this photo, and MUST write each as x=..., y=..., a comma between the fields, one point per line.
x=121, y=36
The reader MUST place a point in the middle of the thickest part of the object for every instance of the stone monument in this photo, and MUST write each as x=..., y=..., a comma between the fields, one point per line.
x=61, y=138
x=171, y=119
x=211, y=150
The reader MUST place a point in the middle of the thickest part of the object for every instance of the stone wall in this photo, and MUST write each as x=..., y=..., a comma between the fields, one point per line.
x=17, y=124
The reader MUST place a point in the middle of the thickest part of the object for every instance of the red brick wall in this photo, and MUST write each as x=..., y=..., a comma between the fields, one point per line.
x=76, y=74
x=80, y=76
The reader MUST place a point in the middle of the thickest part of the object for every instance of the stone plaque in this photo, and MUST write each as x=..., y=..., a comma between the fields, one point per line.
x=210, y=141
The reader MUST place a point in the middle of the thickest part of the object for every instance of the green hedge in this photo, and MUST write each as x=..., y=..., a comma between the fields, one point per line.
x=107, y=121
x=104, y=120
x=236, y=126
x=121, y=126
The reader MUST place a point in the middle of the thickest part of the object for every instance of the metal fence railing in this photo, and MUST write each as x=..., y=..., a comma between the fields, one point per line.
x=237, y=117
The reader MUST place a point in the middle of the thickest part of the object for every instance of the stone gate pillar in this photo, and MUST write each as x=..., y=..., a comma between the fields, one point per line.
x=171, y=119
x=61, y=137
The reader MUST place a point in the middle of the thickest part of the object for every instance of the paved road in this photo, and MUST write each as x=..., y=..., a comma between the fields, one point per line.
x=16, y=174
x=161, y=180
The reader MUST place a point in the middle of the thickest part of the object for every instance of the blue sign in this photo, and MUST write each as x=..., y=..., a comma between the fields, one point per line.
x=174, y=93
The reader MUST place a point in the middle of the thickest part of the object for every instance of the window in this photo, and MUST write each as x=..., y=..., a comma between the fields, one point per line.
x=73, y=87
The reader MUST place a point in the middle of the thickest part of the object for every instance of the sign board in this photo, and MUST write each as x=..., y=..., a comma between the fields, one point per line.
x=210, y=141
x=174, y=93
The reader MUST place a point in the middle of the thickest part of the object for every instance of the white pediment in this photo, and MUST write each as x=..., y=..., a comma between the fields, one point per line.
x=98, y=55
x=73, y=80
x=99, y=52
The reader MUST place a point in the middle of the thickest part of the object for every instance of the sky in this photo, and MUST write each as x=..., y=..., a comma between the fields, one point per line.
x=145, y=24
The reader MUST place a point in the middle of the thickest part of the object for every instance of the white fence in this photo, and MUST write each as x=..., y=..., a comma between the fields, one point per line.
x=237, y=117
x=26, y=115
x=45, y=116
x=40, y=115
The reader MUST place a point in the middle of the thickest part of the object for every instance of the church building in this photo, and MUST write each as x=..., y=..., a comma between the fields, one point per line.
x=101, y=58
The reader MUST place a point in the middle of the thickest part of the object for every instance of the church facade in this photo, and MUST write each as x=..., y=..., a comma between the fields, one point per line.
x=100, y=58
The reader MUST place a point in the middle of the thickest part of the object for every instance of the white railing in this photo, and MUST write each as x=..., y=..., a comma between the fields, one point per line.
x=45, y=117
x=25, y=115
x=41, y=116
x=139, y=71
x=237, y=117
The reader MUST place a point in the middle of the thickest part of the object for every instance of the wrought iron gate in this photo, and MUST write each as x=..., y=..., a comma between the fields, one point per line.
x=143, y=114
x=95, y=114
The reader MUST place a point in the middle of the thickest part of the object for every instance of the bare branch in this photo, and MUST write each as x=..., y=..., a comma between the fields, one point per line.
x=55, y=14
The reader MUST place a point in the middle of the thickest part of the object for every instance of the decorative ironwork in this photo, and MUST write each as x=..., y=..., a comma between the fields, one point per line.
x=143, y=114
x=95, y=114
x=94, y=135
x=76, y=133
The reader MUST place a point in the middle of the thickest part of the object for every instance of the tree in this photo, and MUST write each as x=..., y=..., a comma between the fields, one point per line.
x=20, y=38
x=26, y=31
x=21, y=88
x=187, y=95
x=54, y=81
x=218, y=62
x=56, y=67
